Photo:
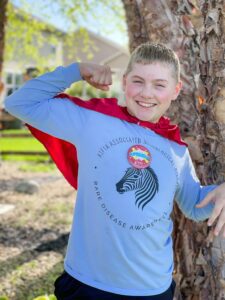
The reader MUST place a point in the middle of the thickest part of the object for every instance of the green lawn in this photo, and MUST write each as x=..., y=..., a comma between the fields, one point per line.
x=20, y=144
x=15, y=131
x=24, y=144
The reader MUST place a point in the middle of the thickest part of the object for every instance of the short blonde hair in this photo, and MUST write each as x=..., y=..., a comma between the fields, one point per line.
x=148, y=53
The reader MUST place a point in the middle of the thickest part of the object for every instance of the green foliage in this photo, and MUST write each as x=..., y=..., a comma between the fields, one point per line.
x=91, y=12
x=4, y=298
x=46, y=297
x=82, y=11
x=76, y=90
x=25, y=30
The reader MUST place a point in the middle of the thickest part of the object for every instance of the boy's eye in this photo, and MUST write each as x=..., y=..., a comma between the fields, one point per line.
x=160, y=85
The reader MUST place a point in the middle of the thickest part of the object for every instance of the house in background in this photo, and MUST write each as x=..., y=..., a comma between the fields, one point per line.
x=96, y=49
x=99, y=50
x=14, y=70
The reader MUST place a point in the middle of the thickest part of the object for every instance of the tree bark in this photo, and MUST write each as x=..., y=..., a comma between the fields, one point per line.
x=163, y=21
x=171, y=22
x=211, y=95
x=136, y=30
x=3, y=19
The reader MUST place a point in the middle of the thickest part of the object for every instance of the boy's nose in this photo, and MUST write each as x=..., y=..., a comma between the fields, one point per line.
x=147, y=93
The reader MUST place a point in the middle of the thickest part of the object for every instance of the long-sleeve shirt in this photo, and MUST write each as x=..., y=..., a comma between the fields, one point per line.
x=120, y=239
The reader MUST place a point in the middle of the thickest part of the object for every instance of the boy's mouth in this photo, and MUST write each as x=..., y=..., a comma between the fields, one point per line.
x=147, y=105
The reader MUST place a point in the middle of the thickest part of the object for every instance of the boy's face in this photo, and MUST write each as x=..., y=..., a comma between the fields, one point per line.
x=149, y=90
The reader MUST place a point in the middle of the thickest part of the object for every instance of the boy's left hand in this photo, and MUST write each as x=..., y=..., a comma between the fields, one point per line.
x=217, y=196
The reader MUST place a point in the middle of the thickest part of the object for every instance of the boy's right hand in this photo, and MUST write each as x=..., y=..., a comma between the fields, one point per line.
x=99, y=76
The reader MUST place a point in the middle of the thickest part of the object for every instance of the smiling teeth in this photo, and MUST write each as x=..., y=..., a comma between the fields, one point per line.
x=146, y=104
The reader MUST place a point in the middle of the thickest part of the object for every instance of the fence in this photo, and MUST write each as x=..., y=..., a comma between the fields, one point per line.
x=20, y=152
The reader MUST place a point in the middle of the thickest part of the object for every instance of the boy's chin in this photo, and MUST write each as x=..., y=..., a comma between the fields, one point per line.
x=147, y=119
x=144, y=118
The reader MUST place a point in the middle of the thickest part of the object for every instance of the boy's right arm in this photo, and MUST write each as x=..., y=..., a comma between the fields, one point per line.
x=35, y=102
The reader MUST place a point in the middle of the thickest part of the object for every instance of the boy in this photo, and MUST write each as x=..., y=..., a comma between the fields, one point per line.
x=132, y=164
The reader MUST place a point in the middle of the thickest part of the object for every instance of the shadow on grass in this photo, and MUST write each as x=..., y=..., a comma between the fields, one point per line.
x=57, y=245
x=42, y=285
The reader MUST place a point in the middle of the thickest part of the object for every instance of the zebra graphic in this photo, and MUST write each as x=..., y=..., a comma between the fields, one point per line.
x=143, y=181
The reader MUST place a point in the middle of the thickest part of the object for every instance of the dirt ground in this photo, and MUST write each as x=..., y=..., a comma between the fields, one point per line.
x=33, y=236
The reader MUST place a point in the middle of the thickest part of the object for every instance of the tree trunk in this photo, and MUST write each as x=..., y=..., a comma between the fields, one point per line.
x=3, y=8
x=162, y=21
x=212, y=130
x=170, y=22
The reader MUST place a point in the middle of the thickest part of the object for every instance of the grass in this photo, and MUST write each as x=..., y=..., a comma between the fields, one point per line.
x=31, y=274
x=33, y=288
x=20, y=144
x=46, y=297
x=15, y=131
x=28, y=158
x=35, y=163
x=36, y=166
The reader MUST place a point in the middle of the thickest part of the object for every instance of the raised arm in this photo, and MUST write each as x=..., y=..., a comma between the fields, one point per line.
x=35, y=102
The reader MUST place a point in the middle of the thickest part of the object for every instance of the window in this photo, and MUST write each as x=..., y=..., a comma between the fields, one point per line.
x=52, y=49
x=12, y=82
x=9, y=79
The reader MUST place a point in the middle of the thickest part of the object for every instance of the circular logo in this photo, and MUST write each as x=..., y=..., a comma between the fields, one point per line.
x=139, y=156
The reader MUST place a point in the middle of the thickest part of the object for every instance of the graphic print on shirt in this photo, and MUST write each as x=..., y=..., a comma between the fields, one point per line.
x=140, y=177
x=140, y=204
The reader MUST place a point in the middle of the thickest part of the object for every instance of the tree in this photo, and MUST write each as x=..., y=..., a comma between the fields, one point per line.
x=171, y=22
x=26, y=29
x=3, y=19
x=30, y=33
x=198, y=111
x=212, y=131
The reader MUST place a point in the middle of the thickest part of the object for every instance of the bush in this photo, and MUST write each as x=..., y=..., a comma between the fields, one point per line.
x=4, y=298
x=76, y=90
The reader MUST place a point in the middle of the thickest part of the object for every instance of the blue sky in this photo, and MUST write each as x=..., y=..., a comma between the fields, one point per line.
x=104, y=23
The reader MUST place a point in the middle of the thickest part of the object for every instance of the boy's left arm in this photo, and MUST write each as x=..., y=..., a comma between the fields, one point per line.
x=217, y=197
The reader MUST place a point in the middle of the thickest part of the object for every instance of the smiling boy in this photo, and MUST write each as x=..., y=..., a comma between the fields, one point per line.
x=120, y=245
x=149, y=90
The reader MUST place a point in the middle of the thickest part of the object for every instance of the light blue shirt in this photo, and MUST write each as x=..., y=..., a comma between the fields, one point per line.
x=120, y=239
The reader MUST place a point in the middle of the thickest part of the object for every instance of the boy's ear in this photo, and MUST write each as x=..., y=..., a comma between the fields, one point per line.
x=177, y=90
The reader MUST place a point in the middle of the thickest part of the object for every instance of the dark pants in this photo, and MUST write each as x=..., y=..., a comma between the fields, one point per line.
x=68, y=288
